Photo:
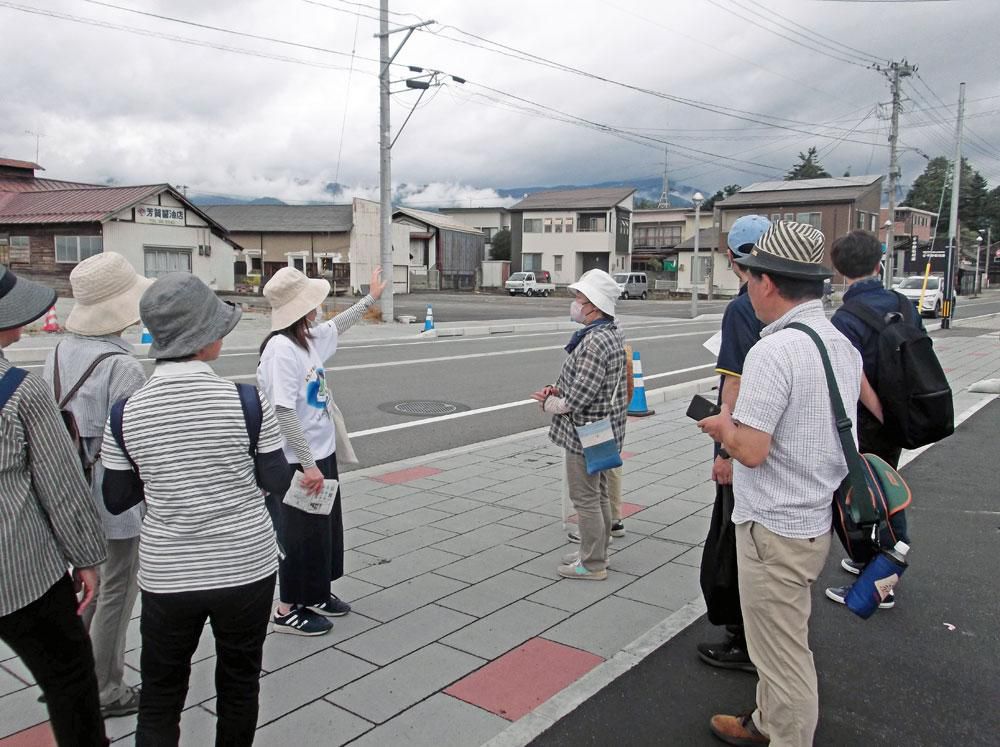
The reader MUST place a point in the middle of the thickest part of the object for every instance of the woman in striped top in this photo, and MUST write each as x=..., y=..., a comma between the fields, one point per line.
x=292, y=375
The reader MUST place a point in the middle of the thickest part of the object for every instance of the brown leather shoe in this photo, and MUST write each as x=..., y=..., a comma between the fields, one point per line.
x=738, y=730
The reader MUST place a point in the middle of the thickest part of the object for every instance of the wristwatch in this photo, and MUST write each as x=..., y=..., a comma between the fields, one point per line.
x=723, y=453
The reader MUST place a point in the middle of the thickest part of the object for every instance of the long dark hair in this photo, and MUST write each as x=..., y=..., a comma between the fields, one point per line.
x=298, y=332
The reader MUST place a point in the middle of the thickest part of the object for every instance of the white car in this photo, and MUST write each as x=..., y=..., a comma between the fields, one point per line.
x=911, y=288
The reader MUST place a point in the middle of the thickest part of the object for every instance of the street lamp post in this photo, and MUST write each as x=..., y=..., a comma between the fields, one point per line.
x=887, y=257
x=698, y=198
x=979, y=248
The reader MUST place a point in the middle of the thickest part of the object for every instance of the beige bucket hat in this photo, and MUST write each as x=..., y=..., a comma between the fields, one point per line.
x=107, y=290
x=292, y=295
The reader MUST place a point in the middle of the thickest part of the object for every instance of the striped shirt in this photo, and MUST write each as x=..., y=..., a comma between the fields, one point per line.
x=206, y=525
x=784, y=393
x=114, y=378
x=48, y=519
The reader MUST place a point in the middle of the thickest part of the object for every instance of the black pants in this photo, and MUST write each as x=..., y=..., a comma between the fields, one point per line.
x=313, y=545
x=171, y=625
x=50, y=638
x=719, y=575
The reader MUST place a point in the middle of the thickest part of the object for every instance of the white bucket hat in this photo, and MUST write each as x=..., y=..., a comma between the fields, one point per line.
x=292, y=295
x=599, y=288
x=107, y=290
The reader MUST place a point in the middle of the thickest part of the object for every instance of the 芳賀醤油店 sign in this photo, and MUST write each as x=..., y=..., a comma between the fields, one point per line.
x=164, y=216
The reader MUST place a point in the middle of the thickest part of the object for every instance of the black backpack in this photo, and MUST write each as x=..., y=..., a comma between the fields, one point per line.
x=916, y=398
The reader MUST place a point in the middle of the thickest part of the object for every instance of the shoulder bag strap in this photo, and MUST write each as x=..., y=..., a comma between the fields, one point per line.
x=855, y=468
x=86, y=375
x=115, y=419
x=865, y=314
x=9, y=383
x=253, y=414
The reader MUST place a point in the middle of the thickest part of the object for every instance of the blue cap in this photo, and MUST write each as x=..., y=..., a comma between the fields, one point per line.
x=746, y=230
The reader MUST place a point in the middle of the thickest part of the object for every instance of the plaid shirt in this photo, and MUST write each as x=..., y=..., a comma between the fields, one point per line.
x=587, y=381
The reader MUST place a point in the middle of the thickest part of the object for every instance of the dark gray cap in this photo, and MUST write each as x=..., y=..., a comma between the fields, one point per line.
x=22, y=301
x=183, y=315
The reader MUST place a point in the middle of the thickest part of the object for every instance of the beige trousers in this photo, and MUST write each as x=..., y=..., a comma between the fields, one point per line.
x=615, y=493
x=775, y=576
x=589, y=496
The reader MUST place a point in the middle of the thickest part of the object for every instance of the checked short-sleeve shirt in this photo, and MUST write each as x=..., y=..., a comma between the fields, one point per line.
x=784, y=393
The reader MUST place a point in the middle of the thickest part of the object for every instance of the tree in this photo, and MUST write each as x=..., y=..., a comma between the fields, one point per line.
x=500, y=246
x=728, y=191
x=974, y=199
x=808, y=167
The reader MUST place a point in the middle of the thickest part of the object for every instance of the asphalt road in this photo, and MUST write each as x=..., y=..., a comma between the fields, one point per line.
x=924, y=673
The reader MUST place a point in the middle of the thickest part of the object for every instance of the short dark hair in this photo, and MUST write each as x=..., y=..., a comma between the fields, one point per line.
x=793, y=289
x=856, y=254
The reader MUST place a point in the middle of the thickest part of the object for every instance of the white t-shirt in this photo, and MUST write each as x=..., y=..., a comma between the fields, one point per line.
x=295, y=378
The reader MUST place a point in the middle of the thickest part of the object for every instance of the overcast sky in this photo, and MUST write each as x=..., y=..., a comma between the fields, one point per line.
x=114, y=105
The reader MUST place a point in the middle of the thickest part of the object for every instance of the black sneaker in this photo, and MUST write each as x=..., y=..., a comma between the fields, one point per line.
x=618, y=529
x=852, y=566
x=301, y=621
x=839, y=595
x=332, y=607
x=124, y=706
x=730, y=654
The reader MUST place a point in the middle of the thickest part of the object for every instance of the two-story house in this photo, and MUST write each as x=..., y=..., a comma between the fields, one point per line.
x=835, y=205
x=568, y=232
x=658, y=237
x=489, y=220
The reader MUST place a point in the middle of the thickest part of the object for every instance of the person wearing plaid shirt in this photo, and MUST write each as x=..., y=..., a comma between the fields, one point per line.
x=591, y=386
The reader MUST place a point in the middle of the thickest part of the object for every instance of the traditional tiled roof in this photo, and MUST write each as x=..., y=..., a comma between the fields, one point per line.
x=283, y=218
x=86, y=205
x=598, y=198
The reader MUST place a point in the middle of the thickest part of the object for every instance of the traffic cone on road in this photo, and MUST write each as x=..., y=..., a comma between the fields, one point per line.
x=638, y=408
x=51, y=321
x=429, y=319
x=146, y=338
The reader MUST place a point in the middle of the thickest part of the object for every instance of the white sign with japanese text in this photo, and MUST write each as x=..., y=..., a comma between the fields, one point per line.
x=164, y=216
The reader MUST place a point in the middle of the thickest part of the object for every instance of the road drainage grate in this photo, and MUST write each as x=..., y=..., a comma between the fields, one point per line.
x=423, y=408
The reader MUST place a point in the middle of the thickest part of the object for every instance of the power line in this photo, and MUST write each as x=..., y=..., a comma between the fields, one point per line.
x=347, y=98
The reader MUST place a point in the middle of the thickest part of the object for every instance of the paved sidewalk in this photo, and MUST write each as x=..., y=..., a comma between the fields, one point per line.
x=461, y=629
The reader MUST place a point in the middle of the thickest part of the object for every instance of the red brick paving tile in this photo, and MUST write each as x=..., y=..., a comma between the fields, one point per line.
x=407, y=475
x=628, y=454
x=523, y=679
x=36, y=736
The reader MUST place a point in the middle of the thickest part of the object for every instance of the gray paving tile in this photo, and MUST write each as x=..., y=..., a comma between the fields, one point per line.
x=644, y=556
x=439, y=721
x=290, y=688
x=399, y=637
x=455, y=505
x=490, y=496
x=691, y=531
x=359, y=485
x=197, y=727
x=319, y=721
x=460, y=460
x=358, y=517
x=668, y=512
x=21, y=710
x=634, y=525
x=408, y=538
x=458, y=475
x=350, y=589
x=5, y=652
x=527, y=520
x=387, y=691
x=357, y=537
x=389, y=492
x=702, y=493
x=636, y=479
x=650, y=495
x=9, y=683
x=487, y=563
x=479, y=539
x=691, y=557
x=395, y=570
x=545, y=565
x=466, y=487
x=671, y=586
x=490, y=595
x=498, y=633
x=411, y=502
x=16, y=667
x=572, y=595
x=473, y=519
x=407, y=596
x=356, y=561
x=544, y=539
x=396, y=525
x=282, y=649
x=201, y=683
x=607, y=627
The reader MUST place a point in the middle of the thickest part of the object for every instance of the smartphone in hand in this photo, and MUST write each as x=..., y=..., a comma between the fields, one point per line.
x=702, y=407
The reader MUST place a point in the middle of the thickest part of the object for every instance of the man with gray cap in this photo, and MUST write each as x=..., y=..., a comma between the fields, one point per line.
x=49, y=524
x=783, y=438
x=591, y=386
x=207, y=549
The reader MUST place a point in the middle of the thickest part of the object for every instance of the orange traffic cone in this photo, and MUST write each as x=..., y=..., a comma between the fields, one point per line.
x=51, y=321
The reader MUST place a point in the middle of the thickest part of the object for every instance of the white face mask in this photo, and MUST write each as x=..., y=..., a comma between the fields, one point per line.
x=576, y=313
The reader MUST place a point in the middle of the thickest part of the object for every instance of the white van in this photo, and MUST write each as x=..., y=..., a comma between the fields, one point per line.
x=632, y=284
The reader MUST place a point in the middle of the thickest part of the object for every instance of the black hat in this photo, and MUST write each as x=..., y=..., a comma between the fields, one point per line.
x=790, y=249
x=22, y=301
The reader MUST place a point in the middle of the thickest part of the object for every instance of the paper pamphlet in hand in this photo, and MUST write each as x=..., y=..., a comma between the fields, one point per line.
x=320, y=503
x=713, y=344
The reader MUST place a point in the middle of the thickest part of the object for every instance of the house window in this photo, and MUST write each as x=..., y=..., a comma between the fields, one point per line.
x=558, y=263
x=531, y=262
x=654, y=236
x=705, y=263
x=548, y=225
x=75, y=249
x=813, y=219
x=489, y=233
x=160, y=261
x=532, y=225
x=557, y=223
x=874, y=227
x=20, y=242
x=255, y=264
x=789, y=217
x=592, y=222
x=568, y=223
x=775, y=217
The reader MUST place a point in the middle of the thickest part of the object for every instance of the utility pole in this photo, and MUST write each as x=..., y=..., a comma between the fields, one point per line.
x=897, y=70
x=385, y=153
x=697, y=198
x=956, y=179
x=38, y=136
x=665, y=194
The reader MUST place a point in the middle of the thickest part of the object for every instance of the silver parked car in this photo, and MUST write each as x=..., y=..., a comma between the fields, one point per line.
x=632, y=284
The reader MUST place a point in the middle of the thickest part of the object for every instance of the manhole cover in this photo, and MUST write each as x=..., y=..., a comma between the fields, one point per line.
x=422, y=408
